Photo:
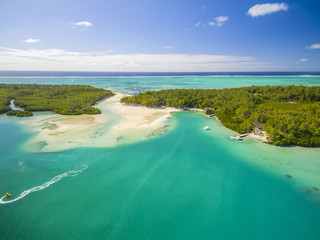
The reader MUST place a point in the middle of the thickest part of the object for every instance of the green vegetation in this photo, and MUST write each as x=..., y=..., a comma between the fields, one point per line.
x=290, y=115
x=62, y=99
x=19, y=113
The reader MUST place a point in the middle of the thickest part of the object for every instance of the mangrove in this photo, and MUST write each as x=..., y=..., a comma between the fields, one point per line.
x=289, y=114
x=61, y=99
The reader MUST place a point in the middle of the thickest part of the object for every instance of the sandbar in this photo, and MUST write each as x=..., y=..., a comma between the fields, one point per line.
x=117, y=124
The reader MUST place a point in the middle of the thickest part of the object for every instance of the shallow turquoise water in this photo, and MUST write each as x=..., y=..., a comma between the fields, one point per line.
x=187, y=184
x=134, y=85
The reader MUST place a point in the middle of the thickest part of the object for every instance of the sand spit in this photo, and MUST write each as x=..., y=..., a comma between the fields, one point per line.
x=117, y=124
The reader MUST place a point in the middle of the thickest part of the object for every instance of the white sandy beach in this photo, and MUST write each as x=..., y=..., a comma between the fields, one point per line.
x=138, y=116
x=117, y=124
x=258, y=137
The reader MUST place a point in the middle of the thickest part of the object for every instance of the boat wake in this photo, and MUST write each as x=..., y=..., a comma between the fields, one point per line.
x=71, y=173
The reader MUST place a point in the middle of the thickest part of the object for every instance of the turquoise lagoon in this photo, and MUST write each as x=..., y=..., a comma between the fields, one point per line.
x=136, y=84
x=186, y=184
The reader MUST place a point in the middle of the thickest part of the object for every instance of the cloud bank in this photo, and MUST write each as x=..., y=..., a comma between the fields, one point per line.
x=61, y=60
x=266, y=9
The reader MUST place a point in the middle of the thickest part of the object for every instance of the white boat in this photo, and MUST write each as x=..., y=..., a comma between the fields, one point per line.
x=236, y=137
x=206, y=128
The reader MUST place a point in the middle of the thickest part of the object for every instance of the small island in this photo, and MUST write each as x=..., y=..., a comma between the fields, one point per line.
x=61, y=99
x=286, y=115
x=289, y=114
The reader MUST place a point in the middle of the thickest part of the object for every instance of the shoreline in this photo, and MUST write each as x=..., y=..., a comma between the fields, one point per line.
x=133, y=118
x=139, y=116
x=258, y=138
x=117, y=124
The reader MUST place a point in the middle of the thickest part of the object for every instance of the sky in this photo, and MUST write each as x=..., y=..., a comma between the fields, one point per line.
x=160, y=36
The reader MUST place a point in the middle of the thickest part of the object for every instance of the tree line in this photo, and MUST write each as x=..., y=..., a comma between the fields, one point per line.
x=289, y=114
x=61, y=99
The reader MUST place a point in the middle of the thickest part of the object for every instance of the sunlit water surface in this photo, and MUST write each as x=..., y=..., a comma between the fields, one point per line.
x=187, y=184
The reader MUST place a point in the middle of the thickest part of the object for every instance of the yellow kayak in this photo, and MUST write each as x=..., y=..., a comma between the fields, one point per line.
x=7, y=195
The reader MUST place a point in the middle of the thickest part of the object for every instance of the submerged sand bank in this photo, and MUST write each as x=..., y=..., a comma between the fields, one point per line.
x=117, y=124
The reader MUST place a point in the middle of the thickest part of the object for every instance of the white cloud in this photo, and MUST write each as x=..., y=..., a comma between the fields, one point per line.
x=168, y=47
x=222, y=19
x=84, y=24
x=61, y=60
x=219, y=21
x=31, y=40
x=197, y=24
x=267, y=8
x=302, y=60
x=314, y=46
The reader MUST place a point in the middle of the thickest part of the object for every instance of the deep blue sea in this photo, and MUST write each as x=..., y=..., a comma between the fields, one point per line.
x=185, y=184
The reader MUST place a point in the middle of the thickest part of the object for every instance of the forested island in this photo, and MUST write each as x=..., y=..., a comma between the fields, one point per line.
x=289, y=114
x=61, y=99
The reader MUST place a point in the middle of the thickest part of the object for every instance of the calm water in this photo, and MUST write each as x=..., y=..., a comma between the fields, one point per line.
x=187, y=184
x=136, y=84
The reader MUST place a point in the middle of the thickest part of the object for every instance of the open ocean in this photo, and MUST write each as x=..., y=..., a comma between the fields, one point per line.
x=186, y=184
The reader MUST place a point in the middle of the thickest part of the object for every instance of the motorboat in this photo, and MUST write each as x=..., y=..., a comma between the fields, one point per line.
x=236, y=137
x=206, y=128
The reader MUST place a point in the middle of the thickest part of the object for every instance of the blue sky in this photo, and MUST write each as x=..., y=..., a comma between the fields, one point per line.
x=167, y=35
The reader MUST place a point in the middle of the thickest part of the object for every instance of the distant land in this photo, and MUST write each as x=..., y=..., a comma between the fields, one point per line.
x=128, y=74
